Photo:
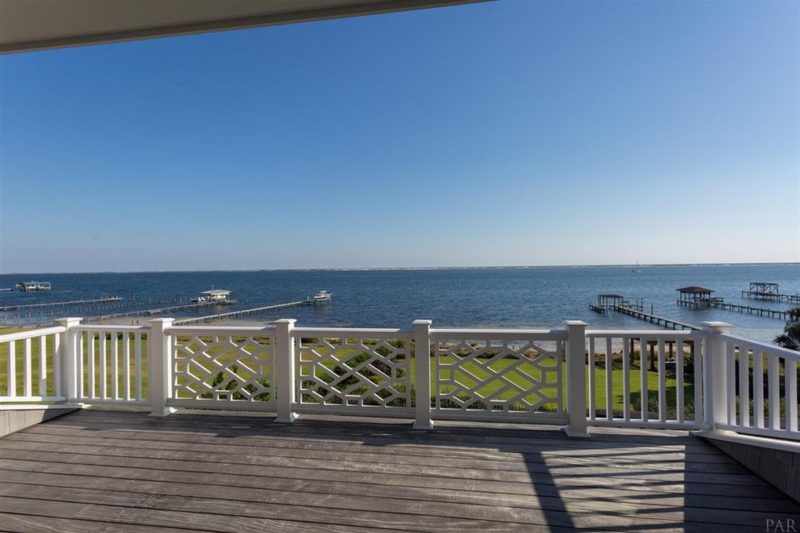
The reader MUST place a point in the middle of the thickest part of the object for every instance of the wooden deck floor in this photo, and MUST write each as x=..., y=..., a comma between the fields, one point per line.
x=99, y=470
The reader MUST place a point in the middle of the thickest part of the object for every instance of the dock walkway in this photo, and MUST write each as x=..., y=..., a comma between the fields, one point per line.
x=746, y=309
x=771, y=297
x=24, y=307
x=665, y=322
x=241, y=313
x=155, y=311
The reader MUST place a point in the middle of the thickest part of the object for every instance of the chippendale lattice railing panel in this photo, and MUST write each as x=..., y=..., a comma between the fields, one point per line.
x=359, y=369
x=493, y=373
x=223, y=369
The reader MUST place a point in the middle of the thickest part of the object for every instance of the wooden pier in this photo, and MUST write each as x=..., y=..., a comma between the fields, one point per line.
x=788, y=298
x=156, y=311
x=243, y=312
x=746, y=309
x=760, y=290
x=666, y=323
x=635, y=308
x=25, y=307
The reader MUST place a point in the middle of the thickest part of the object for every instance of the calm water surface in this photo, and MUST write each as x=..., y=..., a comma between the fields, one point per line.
x=509, y=297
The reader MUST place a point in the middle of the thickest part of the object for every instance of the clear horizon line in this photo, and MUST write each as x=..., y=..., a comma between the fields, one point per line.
x=356, y=269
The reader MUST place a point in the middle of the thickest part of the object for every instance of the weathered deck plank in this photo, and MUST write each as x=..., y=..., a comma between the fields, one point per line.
x=124, y=470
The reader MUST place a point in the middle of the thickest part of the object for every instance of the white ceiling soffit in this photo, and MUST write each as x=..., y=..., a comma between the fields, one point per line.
x=39, y=24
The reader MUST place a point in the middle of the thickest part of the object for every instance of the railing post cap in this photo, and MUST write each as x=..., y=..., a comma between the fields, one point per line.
x=285, y=321
x=162, y=320
x=71, y=321
x=716, y=327
x=423, y=322
x=575, y=323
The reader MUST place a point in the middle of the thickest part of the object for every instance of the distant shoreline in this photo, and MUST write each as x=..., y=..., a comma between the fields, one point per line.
x=405, y=269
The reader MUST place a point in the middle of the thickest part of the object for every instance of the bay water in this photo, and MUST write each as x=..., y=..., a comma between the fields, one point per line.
x=456, y=297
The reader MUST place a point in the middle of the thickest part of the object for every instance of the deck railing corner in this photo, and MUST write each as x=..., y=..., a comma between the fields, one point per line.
x=576, y=379
x=715, y=374
x=66, y=357
x=159, y=366
x=422, y=355
x=285, y=370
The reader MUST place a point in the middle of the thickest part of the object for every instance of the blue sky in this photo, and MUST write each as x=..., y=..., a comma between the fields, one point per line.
x=508, y=133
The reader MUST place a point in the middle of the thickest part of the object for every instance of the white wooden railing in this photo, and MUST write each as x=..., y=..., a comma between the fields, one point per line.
x=33, y=365
x=570, y=376
x=108, y=363
x=758, y=394
x=639, y=358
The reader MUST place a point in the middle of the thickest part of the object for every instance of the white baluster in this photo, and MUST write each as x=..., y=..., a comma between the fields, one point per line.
x=731, y=382
x=28, y=375
x=609, y=380
x=592, y=387
x=12, y=368
x=626, y=378
x=774, y=392
x=43, y=366
x=662, y=382
x=758, y=388
x=744, y=387
x=790, y=375
x=680, y=400
x=126, y=364
x=644, y=398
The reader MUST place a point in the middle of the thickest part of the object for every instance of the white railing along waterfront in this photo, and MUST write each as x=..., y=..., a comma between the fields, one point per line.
x=32, y=365
x=638, y=378
x=758, y=394
x=353, y=371
x=221, y=367
x=658, y=375
x=108, y=363
x=498, y=374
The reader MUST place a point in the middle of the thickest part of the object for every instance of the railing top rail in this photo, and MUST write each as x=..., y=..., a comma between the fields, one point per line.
x=499, y=334
x=780, y=350
x=264, y=331
x=353, y=332
x=31, y=333
x=649, y=333
x=109, y=327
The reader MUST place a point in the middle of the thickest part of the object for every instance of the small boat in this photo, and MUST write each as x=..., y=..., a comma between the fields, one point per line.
x=33, y=286
x=322, y=297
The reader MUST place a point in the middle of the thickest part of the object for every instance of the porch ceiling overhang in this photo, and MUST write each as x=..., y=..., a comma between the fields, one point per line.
x=40, y=24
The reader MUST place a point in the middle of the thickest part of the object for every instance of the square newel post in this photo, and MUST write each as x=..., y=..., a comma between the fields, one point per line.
x=159, y=367
x=284, y=366
x=68, y=349
x=576, y=379
x=422, y=358
x=715, y=372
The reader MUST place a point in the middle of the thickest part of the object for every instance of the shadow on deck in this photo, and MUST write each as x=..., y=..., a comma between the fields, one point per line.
x=98, y=469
